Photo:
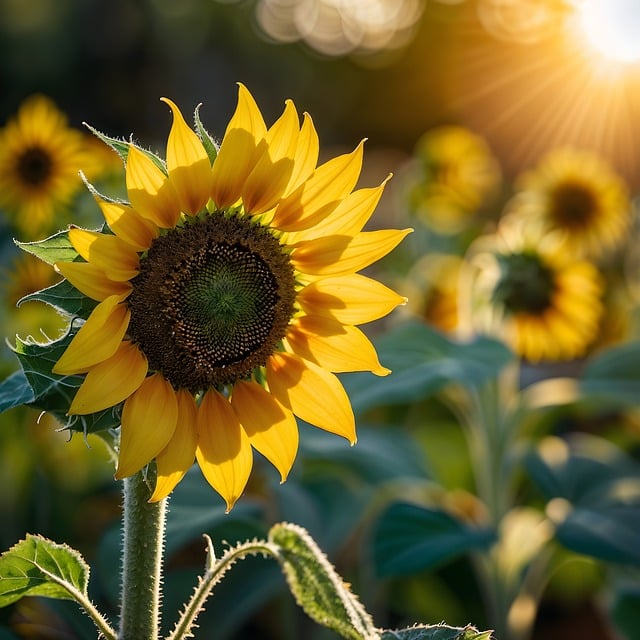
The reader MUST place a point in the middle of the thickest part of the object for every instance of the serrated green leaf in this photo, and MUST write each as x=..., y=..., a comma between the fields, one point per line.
x=36, y=566
x=54, y=393
x=436, y=632
x=64, y=297
x=408, y=538
x=207, y=141
x=316, y=586
x=55, y=248
x=15, y=391
x=121, y=147
x=424, y=361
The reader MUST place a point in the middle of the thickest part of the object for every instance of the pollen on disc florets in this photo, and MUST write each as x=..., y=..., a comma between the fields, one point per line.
x=212, y=301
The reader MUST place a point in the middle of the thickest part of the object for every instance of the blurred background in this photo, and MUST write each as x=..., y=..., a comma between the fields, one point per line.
x=466, y=102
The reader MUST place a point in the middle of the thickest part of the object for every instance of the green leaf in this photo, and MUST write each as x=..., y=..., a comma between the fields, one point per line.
x=55, y=248
x=208, y=142
x=36, y=566
x=316, y=586
x=14, y=391
x=614, y=375
x=64, y=297
x=436, y=632
x=54, y=393
x=423, y=362
x=408, y=538
x=121, y=147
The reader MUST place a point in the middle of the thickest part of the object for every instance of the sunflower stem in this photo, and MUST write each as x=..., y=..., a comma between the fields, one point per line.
x=143, y=538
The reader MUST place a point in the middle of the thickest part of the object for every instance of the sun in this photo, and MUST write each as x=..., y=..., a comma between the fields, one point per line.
x=612, y=28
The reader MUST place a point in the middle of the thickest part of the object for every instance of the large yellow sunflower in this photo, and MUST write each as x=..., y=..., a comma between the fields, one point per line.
x=524, y=288
x=578, y=195
x=228, y=299
x=40, y=157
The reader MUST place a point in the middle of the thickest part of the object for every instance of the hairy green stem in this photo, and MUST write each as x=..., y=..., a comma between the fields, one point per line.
x=143, y=538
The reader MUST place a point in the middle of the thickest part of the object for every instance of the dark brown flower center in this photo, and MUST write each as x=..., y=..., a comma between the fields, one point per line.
x=573, y=205
x=34, y=166
x=526, y=283
x=212, y=301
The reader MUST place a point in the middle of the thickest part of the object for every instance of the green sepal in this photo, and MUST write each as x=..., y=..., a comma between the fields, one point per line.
x=316, y=586
x=54, y=393
x=36, y=566
x=121, y=147
x=208, y=142
x=64, y=297
x=436, y=632
x=55, y=248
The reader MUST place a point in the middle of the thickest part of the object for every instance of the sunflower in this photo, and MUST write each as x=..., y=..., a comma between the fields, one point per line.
x=454, y=175
x=524, y=288
x=228, y=299
x=40, y=157
x=578, y=195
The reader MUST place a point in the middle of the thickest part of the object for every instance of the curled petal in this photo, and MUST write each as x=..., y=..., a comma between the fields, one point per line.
x=114, y=256
x=313, y=394
x=149, y=419
x=92, y=281
x=351, y=299
x=98, y=338
x=237, y=154
x=188, y=164
x=151, y=193
x=112, y=381
x=176, y=458
x=272, y=428
x=128, y=225
x=336, y=347
x=224, y=451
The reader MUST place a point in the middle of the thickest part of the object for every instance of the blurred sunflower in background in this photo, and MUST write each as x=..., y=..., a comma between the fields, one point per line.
x=40, y=160
x=578, y=195
x=228, y=299
x=453, y=174
x=525, y=288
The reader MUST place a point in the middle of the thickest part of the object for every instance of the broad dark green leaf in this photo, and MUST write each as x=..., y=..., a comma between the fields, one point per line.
x=64, y=297
x=55, y=248
x=54, y=393
x=36, y=566
x=436, y=632
x=614, y=375
x=15, y=391
x=423, y=362
x=408, y=538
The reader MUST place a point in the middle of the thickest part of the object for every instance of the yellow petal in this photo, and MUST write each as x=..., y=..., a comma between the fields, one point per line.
x=98, y=338
x=352, y=299
x=224, y=451
x=151, y=193
x=111, y=381
x=272, y=429
x=336, y=347
x=188, y=164
x=92, y=281
x=320, y=194
x=313, y=394
x=149, y=419
x=128, y=225
x=176, y=458
x=348, y=218
x=237, y=154
x=114, y=256
x=270, y=176
x=340, y=255
x=306, y=155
